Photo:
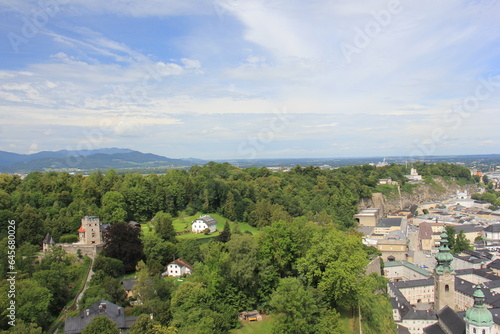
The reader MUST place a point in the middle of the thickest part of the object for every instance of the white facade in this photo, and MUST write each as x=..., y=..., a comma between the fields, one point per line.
x=491, y=234
x=419, y=294
x=174, y=269
x=472, y=329
x=416, y=326
x=204, y=222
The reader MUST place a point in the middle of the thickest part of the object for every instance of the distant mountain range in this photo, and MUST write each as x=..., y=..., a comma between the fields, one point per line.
x=126, y=159
x=106, y=158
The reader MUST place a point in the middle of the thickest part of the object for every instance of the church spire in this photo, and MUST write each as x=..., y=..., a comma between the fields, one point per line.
x=444, y=276
x=444, y=257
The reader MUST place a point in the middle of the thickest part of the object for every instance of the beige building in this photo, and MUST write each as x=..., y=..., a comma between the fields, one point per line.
x=90, y=232
x=393, y=250
x=368, y=217
x=425, y=237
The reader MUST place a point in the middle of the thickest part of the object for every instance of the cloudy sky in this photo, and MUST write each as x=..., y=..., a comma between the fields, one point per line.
x=217, y=79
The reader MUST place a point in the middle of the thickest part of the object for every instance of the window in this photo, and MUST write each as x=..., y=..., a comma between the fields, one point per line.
x=446, y=288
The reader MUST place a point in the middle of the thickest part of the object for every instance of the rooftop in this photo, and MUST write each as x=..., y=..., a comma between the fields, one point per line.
x=181, y=263
x=209, y=220
x=75, y=325
x=425, y=231
x=494, y=228
x=129, y=283
x=415, y=283
x=408, y=265
x=389, y=222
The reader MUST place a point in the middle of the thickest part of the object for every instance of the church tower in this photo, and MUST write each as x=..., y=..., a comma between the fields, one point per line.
x=444, y=276
x=478, y=319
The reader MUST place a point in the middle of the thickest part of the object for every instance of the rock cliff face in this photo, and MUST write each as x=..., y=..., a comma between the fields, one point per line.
x=436, y=191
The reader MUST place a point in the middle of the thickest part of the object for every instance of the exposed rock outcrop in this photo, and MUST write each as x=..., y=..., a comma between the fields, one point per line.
x=437, y=191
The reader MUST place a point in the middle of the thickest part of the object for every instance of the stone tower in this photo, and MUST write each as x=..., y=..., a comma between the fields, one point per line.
x=478, y=319
x=90, y=231
x=444, y=276
x=47, y=243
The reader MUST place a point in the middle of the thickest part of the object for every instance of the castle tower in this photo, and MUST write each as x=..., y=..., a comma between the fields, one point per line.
x=444, y=276
x=478, y=319
x=47, y=243
x=90, y=231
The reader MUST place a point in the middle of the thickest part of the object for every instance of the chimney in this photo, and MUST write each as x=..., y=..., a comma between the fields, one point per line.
x=119, y=311
x=87, y=312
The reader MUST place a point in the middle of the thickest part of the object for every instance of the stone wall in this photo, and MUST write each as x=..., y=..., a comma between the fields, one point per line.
x=89, y=250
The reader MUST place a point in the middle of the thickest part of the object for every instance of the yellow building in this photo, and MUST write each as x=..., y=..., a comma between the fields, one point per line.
x=368, y=217
x=393, y=250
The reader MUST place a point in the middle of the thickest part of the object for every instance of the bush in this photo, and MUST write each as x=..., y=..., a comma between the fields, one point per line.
x=68, y=239
x=206, y=231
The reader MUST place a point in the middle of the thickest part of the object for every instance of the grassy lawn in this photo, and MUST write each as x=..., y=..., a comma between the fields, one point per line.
x=145, y=228
x=257, y=327
x=131, y=275
x=184, y=224
x=177, y=280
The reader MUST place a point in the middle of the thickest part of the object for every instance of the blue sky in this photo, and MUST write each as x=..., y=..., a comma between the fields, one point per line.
x=217, y=79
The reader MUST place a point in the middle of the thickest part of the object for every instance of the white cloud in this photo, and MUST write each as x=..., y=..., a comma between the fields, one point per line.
x=261, y=55
x=191, y=63
x=322, y=125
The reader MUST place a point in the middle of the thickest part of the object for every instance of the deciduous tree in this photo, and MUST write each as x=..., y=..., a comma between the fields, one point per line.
x=122, y=242
x=164, y=226
x=101, y=325
x=335, y=264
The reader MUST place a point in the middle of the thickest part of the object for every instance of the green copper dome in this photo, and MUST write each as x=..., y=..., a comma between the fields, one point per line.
x=478, y=314
x=444, y=257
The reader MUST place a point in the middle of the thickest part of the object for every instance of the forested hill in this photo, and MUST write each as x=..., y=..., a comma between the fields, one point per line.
x=85, y=160
x=55, y=201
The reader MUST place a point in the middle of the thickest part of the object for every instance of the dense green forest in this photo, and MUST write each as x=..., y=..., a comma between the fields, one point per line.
x=306, y=264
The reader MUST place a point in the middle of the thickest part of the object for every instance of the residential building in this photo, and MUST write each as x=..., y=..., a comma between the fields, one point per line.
x=202, y=223
x=75, y=325
x=491, y=235
x=178, y=267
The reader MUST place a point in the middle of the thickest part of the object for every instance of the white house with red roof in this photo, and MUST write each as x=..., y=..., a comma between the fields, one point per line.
x=178, y=268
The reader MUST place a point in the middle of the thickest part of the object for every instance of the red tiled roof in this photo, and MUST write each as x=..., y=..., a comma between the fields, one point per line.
x=181, y=263
x=425, y=231
x=81, y=229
